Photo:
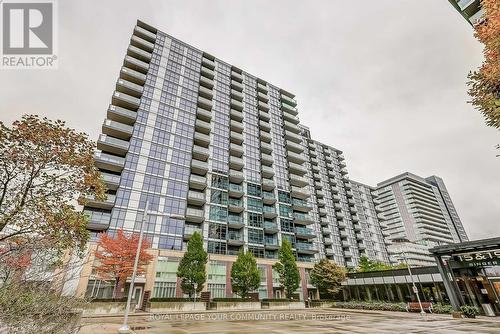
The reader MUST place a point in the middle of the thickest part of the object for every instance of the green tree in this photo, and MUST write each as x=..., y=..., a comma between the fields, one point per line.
x=245, y=275
x=287, y=269
x=366, y=265
x=191, y=269
x=327, y=276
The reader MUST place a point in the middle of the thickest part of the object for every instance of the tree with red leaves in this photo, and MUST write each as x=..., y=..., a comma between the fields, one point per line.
x=116, y=256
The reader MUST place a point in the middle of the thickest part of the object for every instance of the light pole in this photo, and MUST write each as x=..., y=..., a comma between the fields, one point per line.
x=125, y=327
x=415, y=289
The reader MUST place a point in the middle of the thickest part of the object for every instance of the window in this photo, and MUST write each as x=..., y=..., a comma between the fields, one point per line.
x=256, y=251
x=285, y=211
x=217, y=231
x=218, y=213
x=219, y=181
x=255, y=236
x=164, y=290
x=254, y=219
x=284, y=197
x=254, y=204
x=218, y=197
x=254, y=190
x=286, y=225
x=216, y=247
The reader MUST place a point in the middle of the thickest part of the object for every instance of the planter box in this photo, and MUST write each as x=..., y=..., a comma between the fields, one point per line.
x=235, y=305
x=280, y=305
x=177, y=306
x=320, y=303
x=106, y=308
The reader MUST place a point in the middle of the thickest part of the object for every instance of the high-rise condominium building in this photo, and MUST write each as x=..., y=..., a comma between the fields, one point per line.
x=470, y=9
x=217, y=150
x=419, y=213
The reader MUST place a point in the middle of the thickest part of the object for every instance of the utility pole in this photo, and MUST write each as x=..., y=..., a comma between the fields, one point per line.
x=415, y=289
x=125, y=327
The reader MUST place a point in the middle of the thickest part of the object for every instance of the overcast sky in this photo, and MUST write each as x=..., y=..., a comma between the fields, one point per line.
x=384, y=80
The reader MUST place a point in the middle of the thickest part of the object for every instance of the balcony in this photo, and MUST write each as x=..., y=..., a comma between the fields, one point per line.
x=201, y=139
x=206, y=93
x=268, y=184
x=236, y=138
x=235, y=94
x=296, y=138
x=138, y=53
x=129, y=88
x=202, y=126
x=200, y=153
x=326, y=231
x=357, y=227
x=301, y=205
x=117, y=130
x=339, y=215
x=235, y=205
x=288, y=100
x=321, y=203
x=236, y=163
x=136, y=64
x=264, y=125
x=267, y=171
x=289, y=109
x=268, y=197
x=235, y=238
x=121, y=115
x=109, y=162
x=266, y=147
x=342, y=224
x=296, y=169
x=208, y=63
x=236, y=176
x=145, y=34
x=199, y=167
x=263, y=106
x=98, y=220
x=301, y=193
x=291, y=118
x=263, y=97
x=320, y=193
x=195, y=215
x=236, y=126
x=236, y=150
x=108, y=203
x=112, y=145
x=304, y=233
x=112, y=181
x=355, y=218
x=336, y=199
x=305, y=248
x=264, y=115
x=203, y=115
x=197, y=182
x=349, y=193
x=322, y=212
x=346, y=244
x=204, y=103
x=261, y=87
x=298, y=181
x=302, y=218
x=196, y=198
x=235, y=221
x=269, y=212
x=130, y=75
x=236, y=85
x=207, y=73
x=343, y=234
x=124, y=100
x=294, y=147
x=265, y=136
x=207, y=83
x=270, y=227
x=236, y=190
x=237, y=76
x=236, y=115
x=266, y=159
x=295, y=157
x=271, y=243
x=235, y=104
x=327, y=241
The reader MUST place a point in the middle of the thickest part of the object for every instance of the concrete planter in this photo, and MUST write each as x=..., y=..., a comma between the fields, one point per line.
x=321, y=303
x=283, y=305
x=106, y=308
x=235, y=305
x=177, y=306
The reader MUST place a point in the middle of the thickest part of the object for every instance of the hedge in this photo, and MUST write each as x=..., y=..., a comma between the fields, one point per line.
x=382, y=306
x=278, y=300
x=236, y=300
x=106, y=300
x=172, y=299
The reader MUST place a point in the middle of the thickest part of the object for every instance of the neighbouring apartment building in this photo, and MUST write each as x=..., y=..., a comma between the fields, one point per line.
x=217, y=150
x=417, y=214
x=471, y=10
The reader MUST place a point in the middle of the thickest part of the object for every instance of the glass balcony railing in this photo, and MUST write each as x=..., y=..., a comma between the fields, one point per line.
x=304, y=246
x=235, y=187
x=268, y=209
x=236, y=202
x=235, y=236
x=304, y=231
x=235, y=219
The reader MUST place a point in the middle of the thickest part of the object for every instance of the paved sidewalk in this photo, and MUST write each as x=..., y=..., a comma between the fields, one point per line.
x=317, y=320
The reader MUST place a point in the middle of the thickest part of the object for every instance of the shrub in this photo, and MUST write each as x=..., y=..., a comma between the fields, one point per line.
x=442, y=309
x=362, y=305
x=276, y=300
x=153, y=300
x=106, y=300
x=236, y=300
x=469, y=311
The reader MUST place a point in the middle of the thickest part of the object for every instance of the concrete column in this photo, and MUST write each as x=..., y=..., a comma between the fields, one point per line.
x=269, y=275
x=229, y=288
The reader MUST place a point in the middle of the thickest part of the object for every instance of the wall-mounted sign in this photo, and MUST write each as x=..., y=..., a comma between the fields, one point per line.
x=478, y=259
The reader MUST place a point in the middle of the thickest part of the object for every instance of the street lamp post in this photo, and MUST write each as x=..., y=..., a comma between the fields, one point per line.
x=125, y=327
x=415, y=289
